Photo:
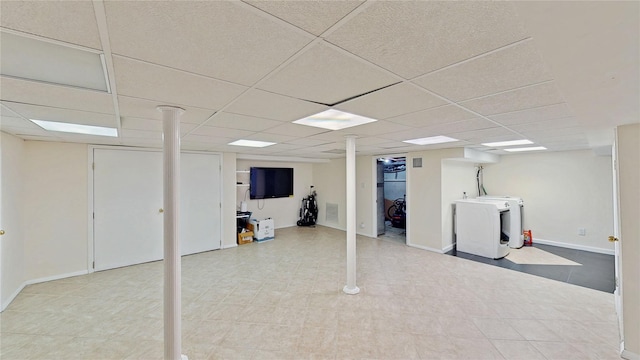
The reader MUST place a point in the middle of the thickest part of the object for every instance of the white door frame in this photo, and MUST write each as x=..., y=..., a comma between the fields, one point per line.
x=90, y=190
x=374, y=181
x=618, y=246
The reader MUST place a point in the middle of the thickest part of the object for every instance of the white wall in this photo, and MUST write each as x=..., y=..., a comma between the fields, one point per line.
x=425, y=201
x=330, y=180
x=284, y=211
x=331, y=184
x=457, y=177
x=562, y=191
x=628, y=143
x=56, y=199
x=12, y=263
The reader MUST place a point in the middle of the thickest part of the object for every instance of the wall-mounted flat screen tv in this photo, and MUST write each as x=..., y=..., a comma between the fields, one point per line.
x=267, y=183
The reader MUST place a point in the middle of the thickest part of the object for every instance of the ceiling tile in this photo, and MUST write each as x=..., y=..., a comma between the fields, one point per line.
x=222, y=132
x=439, y=115
x=374, y=128
x=507, y=69
x=152, y=82
x=69, y=21
x=395, y=100
x=548, y=124
x=220, y=39
x=312, y=16
x=261, y=104
x=326, y=75
x=308, y=141
x=237, y=121
x=148, y=109
x=412, y=38
x=31, y=92
x=62, y=115
x=276, y=138
x=295, y=130
x=126, y=133
x=532, y=115
x=479, y=136
x=554, y=132
x=520, y=99
x=130, y=123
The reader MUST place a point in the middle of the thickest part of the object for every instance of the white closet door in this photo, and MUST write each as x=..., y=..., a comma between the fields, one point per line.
x=200, y=203
x=127, y=198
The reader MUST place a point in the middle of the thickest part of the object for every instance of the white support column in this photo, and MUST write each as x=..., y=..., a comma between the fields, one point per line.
x=171, y=206
x=351, y=287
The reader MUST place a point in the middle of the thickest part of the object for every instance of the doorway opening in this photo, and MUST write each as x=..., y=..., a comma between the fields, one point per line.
x=391, y=198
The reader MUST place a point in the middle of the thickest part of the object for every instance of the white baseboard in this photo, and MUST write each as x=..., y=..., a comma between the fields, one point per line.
x=12, y=297
x=573, y=246
x=626, y=354
x=332, y=226
x=56, y=277
x=426, y=248
x=229, y=246
x=448, y=248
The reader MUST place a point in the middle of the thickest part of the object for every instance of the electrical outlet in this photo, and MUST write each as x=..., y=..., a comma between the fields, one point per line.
x=582, y=231
x=361, y=225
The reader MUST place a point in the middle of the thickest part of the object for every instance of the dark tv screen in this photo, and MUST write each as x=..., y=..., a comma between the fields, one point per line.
x=266, y=183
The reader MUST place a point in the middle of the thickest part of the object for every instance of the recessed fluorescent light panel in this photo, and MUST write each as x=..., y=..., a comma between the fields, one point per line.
x=32, y=59
x=535, y=148
x=509, y=143
x=431, y=140
x=334, y=120
x=252, y=143
x=76, y=128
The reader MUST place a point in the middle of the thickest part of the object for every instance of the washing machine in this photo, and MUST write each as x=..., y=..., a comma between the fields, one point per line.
x=481, y=227
x=516, y=220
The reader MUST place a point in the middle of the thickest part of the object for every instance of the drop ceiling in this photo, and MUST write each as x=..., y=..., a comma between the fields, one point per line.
x=561, y=74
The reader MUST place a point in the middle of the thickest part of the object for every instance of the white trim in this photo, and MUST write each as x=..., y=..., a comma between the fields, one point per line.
x=12, y=297
x=229, y=246
x=90, y=235
x=448, y=248
x=425, y=248
x=56, y=277
x=626, y=354
x=574, y=246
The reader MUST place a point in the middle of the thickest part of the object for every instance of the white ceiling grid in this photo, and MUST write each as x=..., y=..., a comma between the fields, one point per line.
x=469, y=70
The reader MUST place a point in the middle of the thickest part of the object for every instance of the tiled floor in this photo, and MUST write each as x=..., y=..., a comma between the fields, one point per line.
x=283, y=299
x=583, y=268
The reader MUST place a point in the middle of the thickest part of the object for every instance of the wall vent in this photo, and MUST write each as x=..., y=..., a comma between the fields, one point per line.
x=417, y=162
x=332, y=213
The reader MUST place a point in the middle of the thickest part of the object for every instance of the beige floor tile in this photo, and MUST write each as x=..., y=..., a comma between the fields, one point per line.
x=517, y=350
x=534, y=330
x=283, y=299
x=559, y=350
x=497, y=329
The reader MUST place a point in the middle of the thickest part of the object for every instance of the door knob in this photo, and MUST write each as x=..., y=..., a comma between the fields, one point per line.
x=1, y=232
x=161, y=210
x=613, y=238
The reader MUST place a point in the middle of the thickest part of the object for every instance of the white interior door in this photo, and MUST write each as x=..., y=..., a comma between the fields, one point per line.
x=616, y=233
x=127, y=198
x=200, y=216
x=128, y=201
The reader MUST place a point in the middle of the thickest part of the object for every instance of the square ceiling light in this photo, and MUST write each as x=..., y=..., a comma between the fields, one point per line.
x=76, y=128
x=29, y=58
x=534, y=148
x=509, y=143
x=334, y=120
x=252, y=143
x=431, y=140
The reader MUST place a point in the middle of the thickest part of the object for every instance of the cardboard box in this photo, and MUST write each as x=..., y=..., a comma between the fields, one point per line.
x=263, y=230
x=245, y=237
